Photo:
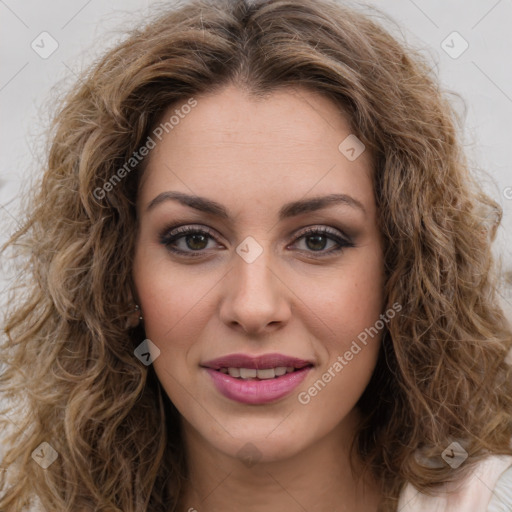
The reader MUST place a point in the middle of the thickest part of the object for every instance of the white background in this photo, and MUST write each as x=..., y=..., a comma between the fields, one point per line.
x=482, y=75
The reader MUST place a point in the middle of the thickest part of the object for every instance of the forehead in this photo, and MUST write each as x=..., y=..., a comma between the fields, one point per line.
x=230, y=141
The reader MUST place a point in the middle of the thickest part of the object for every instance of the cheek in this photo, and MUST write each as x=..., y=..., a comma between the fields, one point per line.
x=165, y=301
x=172, y=321
x=166, y=293
x=350, y=339
x=350, y=301
x=176, y=305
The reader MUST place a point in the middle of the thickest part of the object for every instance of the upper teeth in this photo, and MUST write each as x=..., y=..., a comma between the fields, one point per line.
x=252, y=373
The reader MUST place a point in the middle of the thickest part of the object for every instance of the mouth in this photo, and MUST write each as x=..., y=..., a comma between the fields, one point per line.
x=259, y=374
x=259, y=380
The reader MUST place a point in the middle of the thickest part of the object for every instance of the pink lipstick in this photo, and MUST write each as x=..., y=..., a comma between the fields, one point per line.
x=257, y=380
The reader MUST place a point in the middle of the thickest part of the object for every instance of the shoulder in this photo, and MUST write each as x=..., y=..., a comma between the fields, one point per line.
x=487, y=488
x=501, y=500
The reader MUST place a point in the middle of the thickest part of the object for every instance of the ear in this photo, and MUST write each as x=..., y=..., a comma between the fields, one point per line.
x=134, y=314
x=133, y=318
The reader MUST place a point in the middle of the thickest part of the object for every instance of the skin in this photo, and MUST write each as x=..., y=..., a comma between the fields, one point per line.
x=253, y=156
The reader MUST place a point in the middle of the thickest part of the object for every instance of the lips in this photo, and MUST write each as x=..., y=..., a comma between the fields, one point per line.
x=257, y=380
x=261, y=362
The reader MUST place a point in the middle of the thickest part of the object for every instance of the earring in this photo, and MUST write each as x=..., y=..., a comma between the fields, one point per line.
x=134, y=318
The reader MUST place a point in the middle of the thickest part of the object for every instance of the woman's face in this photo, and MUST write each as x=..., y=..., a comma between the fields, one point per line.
x=248, y=294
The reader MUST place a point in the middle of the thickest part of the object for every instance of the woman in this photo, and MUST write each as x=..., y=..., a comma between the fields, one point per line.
x=259, y=277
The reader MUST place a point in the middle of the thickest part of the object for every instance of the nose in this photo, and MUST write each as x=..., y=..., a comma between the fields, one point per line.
x=255, y=299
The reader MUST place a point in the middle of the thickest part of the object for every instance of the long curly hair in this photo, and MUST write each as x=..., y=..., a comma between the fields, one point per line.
x=70, y=377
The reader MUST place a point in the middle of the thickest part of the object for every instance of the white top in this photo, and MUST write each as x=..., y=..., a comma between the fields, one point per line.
x=487, y=489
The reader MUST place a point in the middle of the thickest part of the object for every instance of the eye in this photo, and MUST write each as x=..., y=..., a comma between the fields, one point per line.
x=187, y=240
x=316, y=239
x=192, y=241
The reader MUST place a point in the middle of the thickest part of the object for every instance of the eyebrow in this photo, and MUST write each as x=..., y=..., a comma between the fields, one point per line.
x=288, y=210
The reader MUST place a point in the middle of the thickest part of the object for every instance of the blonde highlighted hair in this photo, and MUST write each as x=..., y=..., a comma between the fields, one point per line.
x=67, y=351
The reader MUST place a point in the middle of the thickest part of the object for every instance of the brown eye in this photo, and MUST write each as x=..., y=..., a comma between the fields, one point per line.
x=196, y=241
x=186, y=240
x=316, y=240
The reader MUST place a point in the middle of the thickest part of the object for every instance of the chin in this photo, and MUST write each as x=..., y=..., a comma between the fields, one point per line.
x=261, y=443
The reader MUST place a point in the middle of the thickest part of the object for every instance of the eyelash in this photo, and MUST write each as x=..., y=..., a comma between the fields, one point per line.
x=171, y=235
